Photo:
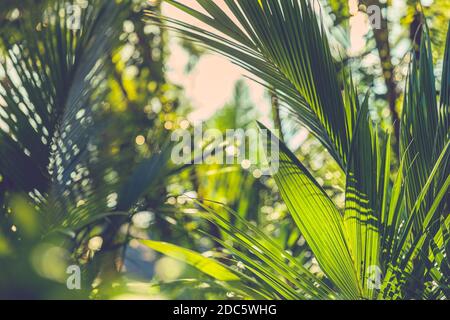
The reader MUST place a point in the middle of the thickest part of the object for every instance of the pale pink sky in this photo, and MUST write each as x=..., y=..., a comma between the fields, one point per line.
x=210, y=85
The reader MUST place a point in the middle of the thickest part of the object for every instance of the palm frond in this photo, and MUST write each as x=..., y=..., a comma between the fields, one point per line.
x=422, y=134
x=393, y=227
x=319, y=221
x=368, y=177
x=303, y=74
x=52, y=85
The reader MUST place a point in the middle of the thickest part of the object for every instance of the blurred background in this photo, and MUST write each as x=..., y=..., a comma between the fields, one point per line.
x=121, y=186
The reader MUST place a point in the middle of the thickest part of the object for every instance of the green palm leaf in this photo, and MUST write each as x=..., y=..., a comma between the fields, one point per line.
x=207, y=266
x=303, y=72
x=319, y=221
x=423, y=136
x=365, y=196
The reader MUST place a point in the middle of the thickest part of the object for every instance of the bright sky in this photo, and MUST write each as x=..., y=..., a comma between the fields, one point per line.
x=210, y=85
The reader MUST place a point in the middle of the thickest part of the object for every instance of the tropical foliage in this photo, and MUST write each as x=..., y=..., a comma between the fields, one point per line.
x=395, y=228
x=358, y=210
